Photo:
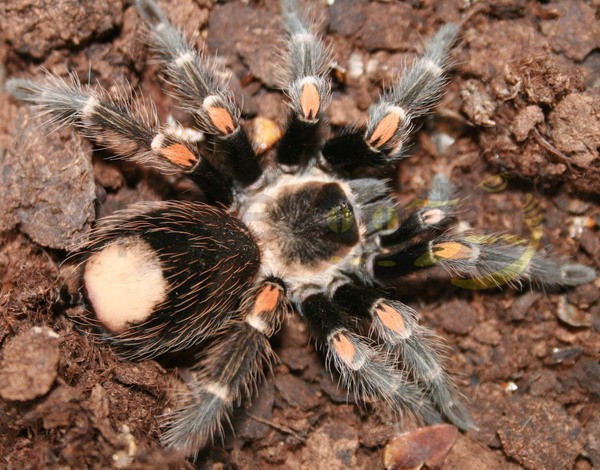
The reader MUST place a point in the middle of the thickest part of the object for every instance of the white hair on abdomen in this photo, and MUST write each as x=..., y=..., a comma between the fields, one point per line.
x=124, y=283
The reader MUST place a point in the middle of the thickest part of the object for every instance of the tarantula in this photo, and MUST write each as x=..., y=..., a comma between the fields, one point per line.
x=316, y=230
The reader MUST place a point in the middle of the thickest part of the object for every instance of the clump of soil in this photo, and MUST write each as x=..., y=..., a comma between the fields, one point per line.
x=523, y=105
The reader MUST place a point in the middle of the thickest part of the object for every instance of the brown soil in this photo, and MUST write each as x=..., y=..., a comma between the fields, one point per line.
x=523, y=102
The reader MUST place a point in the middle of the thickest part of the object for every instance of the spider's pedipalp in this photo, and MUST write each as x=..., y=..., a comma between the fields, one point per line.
x=229, y=369
x=307, y=86
x=433, y=213
x=203, y=93
x=396, y=325
x=391, y=120
x=368, y=373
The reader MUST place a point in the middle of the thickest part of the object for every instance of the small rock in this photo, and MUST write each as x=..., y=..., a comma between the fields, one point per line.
x=337, y=393
x=575, y=32
x=295, y=358
x=428, y=445
x=296, y=392
x=52, y=195
x=246, y=426
x=520, y=307
x=487, y=332
x=330, y=446
x=576, y=127
x=266, y=133
x=477, y=104
x=247, y=40
x=457, y=317
x=28, y=367
x=469, y=455
x=59, y=409
x=544, y=383
x=38, y=28
x=347, y=17
x=343, y=112
x=590, y=242
x=571, y=315
x=525, y=122
x=386, y=26
x=563, y=356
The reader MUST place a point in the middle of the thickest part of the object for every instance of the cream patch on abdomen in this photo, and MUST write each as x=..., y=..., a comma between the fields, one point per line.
x=124, y=283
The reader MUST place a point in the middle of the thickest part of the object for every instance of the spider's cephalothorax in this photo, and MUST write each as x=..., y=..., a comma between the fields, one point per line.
x=307, y=231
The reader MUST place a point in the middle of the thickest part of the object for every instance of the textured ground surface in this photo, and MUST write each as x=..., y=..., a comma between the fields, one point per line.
x=523, y=103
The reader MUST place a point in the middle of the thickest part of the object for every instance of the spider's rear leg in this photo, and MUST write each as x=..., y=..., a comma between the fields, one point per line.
x=364, y=370
x=230, y=369
x=391, y=120
x=307, y=87
x=162, y=277
x=396, y=325
x=488, y=261
x=203, y=93
x=132, y=134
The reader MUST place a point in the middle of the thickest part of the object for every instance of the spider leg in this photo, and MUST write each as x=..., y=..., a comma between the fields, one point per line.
x=307, y=87
x=363, y=369
x=230, y=369
x=195, y=82
x=397, y=326
x=487, y=260
x=391, y=120
x=131, y=134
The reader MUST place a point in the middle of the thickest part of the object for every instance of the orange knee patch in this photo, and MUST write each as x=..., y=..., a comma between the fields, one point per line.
x=267, y=299
x=385, y=129
x=344, y=348
x=180, y=155
x=310, y=101
x=452, y=250
x=391, y=318
x=221, y=118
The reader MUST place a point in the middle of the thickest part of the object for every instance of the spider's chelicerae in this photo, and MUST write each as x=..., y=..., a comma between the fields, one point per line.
x=313, y=230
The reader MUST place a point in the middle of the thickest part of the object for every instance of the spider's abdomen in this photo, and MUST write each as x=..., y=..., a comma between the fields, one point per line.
x=177, y=270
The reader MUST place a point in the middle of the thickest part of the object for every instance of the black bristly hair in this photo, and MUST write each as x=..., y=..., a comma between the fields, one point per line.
x=216, y=281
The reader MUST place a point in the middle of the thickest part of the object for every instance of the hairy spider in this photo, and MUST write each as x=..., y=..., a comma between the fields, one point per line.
x=315, y=230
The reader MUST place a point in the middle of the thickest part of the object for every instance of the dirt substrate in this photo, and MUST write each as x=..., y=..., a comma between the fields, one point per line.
x=520, y=123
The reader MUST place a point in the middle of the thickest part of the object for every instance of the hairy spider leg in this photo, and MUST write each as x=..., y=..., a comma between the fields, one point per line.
x=308, y=88
x=194, y=80
x=487, y=260
x=431, y=214
x=230, y=369
x=391, y=120
x=396, y=326
x=130, y=130
x=367, y=372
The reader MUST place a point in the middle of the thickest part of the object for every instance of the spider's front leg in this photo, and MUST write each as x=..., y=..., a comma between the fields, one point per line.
x=391, y=120
x=132, y=134
x=366, y=371
x=307, y=86
x=229, y=369
x=204, y=94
